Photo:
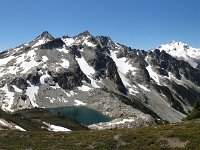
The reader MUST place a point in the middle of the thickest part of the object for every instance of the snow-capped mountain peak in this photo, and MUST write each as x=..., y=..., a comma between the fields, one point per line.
x=84, y=38
x=182, y=51
x=174, y=45
x=42, y=39
x=101, y=74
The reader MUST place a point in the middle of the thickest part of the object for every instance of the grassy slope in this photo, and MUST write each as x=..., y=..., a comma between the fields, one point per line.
x=151, y=138
x=31, y=120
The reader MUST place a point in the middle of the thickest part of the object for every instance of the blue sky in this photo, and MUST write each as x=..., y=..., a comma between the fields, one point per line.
x=142, y=24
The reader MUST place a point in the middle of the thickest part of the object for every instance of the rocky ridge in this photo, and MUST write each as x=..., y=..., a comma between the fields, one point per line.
x=121, y=82
x=182, y=51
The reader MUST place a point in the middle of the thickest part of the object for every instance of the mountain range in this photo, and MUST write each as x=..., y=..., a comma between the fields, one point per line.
x=132, y=86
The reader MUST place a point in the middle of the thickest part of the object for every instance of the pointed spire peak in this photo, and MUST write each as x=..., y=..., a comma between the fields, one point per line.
x=42, y=39
x=85, y=33
x=46, y=35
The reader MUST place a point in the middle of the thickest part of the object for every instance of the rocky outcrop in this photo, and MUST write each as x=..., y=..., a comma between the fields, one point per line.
x=165, y=63
x=132, y=86
x=19, y=82
x=53, y=44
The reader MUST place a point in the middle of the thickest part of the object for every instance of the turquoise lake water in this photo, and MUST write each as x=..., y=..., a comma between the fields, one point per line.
x=82, y=114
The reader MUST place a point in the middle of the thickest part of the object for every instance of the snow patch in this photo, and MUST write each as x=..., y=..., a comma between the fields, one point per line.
x=123, y=68
x=65, y=63
x=119, y=122
x=4, y=61
x=122, y=63
x=87, y=70
x=68, y=41
x=60, y=99
x=88, y=43
x=56, y=128
x=43, y=77
x=131, y=88
x=132, y=91
x=32, y=92
x=78, y=103
x=17, y=89
x=114, y=122
x=171, y=77
x=84, y=88
x=51, y=99
x=10, y=125
x=9, y=99
x=40, y=42
x=152, y=73
x=63, y=49
x=19, y=128
x=10, y=69
x=27, y=65
x=3, y=122
x=45, y=58
x=143, y=87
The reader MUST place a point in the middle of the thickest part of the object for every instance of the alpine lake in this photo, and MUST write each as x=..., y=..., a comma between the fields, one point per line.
x=81, y=114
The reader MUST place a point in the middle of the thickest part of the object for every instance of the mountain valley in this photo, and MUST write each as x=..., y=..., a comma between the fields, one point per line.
x=133, y=87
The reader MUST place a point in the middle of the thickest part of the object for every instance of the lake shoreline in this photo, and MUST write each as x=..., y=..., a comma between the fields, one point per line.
x=81, y=114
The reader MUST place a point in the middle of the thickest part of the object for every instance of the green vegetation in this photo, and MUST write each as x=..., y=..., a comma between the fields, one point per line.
x=195, y=113
x=179, y=136
x=32, y=120
x=184, y=135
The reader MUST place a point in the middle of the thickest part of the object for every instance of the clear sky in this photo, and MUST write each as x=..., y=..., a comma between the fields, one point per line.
x=142, y=24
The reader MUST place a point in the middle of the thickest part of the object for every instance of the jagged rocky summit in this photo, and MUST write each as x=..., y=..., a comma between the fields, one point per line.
x=182, y=51
x=134, y=87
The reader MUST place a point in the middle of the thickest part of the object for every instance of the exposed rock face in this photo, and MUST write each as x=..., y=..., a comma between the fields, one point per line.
x=56, y=43
x=182, y=51
x=165, y=63
x=116, y=80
